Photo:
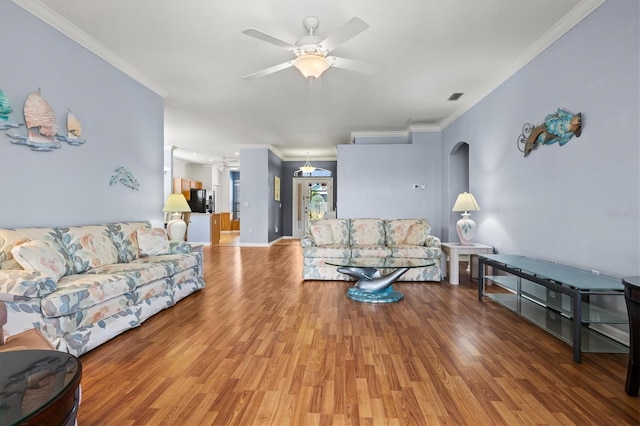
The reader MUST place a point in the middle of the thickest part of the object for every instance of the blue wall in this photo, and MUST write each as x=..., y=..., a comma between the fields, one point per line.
x=577, y=204
x=376, y=180
x=122, y=124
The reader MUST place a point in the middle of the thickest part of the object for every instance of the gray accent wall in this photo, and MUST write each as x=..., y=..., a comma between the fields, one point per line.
x=122, y=123
x=377, y=180
x=577, y=204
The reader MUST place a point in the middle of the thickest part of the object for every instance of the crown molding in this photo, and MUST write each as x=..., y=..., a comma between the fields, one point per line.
x=568, y=21
x=49, y=17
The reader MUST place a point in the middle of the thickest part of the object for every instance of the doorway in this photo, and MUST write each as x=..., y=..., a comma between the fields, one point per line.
x=312, y=199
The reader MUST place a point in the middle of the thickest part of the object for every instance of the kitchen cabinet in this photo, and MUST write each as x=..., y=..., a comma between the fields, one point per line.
x=225, y=221
x=185, y=186
x=215, y=228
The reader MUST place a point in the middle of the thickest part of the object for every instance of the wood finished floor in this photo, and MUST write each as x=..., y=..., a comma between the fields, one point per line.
x=259, y=346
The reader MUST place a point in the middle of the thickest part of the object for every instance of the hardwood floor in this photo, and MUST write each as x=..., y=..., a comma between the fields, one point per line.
x=259, y=346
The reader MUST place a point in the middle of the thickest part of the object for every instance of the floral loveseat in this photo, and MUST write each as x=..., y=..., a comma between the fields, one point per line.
x=336, y=239
x=81, y=286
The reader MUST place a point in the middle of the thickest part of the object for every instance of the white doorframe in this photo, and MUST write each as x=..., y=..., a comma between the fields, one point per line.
x=301, y=202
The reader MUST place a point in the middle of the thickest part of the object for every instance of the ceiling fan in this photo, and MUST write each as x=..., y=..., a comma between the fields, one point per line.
x=311, y=51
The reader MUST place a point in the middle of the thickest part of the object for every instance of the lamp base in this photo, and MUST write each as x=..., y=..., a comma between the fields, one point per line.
x=466, y=229
x=176, y=229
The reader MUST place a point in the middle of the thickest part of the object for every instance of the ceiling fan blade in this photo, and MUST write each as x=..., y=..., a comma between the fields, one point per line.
x=261, y=35
x=351, y=65
x=346, y=32
x=269, y=70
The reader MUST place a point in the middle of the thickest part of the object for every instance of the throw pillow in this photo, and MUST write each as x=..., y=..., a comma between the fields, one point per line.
x=322, y=235
x=40, y=256
x=416, y=235
x=152, y=242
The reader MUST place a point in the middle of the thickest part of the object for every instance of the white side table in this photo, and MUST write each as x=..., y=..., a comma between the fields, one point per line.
x=453, y=252
x=196, y=247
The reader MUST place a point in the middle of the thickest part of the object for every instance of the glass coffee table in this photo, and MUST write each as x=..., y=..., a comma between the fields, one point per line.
x=376, y=276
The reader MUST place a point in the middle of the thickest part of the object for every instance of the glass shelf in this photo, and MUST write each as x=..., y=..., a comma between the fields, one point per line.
x=558, y=325
x=557, y=301
x=556, y=298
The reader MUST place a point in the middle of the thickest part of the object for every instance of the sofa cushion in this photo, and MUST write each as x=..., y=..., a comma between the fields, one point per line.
x=78, y=292
x=396, y=230
x=370, y=251
x=416, y=234
x=152, y=242
x=335, y=251
x=16, y=284
x=366, y=232
x=321, y=233
x=89, y=247
x=339, y=229
x=123, y=235
x=10, y=261
x=172, y=262
x=136, y=274
x=40, y=256
x=9, y=238
x=417, y=252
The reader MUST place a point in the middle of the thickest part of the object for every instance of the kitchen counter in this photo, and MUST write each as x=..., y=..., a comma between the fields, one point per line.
x=204, y=228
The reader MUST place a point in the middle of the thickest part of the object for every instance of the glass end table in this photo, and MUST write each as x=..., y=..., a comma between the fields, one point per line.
x=372, y=285
x=39, y=387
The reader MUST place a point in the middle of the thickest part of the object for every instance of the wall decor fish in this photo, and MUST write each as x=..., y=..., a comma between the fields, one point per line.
x=125, y=177
x=558, y=127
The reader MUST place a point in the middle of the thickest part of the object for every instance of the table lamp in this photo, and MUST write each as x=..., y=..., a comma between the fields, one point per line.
x=466, y=227
x=176, y=204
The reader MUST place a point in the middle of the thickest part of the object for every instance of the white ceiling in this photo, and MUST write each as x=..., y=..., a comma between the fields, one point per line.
x=194, y=54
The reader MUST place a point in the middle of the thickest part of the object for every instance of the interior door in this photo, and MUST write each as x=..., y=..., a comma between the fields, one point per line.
x=312, y=199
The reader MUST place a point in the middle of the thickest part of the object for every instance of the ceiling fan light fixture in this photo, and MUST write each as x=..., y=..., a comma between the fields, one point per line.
x=311, y=65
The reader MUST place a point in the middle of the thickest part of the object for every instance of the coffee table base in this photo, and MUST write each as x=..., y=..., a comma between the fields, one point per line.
x=388, y=295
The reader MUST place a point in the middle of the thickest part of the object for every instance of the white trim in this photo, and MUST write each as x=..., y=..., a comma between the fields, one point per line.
x=48, y=16
x=568, y=21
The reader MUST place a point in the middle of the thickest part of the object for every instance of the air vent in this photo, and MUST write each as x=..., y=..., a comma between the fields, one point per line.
x=455, y=96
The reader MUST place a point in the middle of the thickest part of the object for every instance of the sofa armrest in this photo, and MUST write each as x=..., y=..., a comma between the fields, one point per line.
x=307, y=241
x=179, y=247
x=432, y=241
x=19, y=284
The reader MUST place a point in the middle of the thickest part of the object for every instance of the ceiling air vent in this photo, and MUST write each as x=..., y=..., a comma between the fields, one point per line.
x=455, y=96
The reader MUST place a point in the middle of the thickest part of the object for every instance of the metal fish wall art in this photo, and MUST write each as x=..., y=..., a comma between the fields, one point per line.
x=558, y=127
x=125, y=177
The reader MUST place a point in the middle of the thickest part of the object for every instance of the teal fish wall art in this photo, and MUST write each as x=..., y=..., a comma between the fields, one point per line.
x=559, y=127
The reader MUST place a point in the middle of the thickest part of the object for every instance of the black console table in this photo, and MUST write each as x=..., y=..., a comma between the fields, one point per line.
x=556, y=298
x=632, y=296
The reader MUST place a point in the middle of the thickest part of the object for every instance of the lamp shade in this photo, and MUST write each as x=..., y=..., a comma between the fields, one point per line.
x=465, y=203
x=310, y=65
x=176, y=203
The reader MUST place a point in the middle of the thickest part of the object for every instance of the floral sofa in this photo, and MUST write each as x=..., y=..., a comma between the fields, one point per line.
x=81, y=286
x=339, y=239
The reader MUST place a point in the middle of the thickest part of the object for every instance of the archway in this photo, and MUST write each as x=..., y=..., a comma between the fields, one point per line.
x=458, y=182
